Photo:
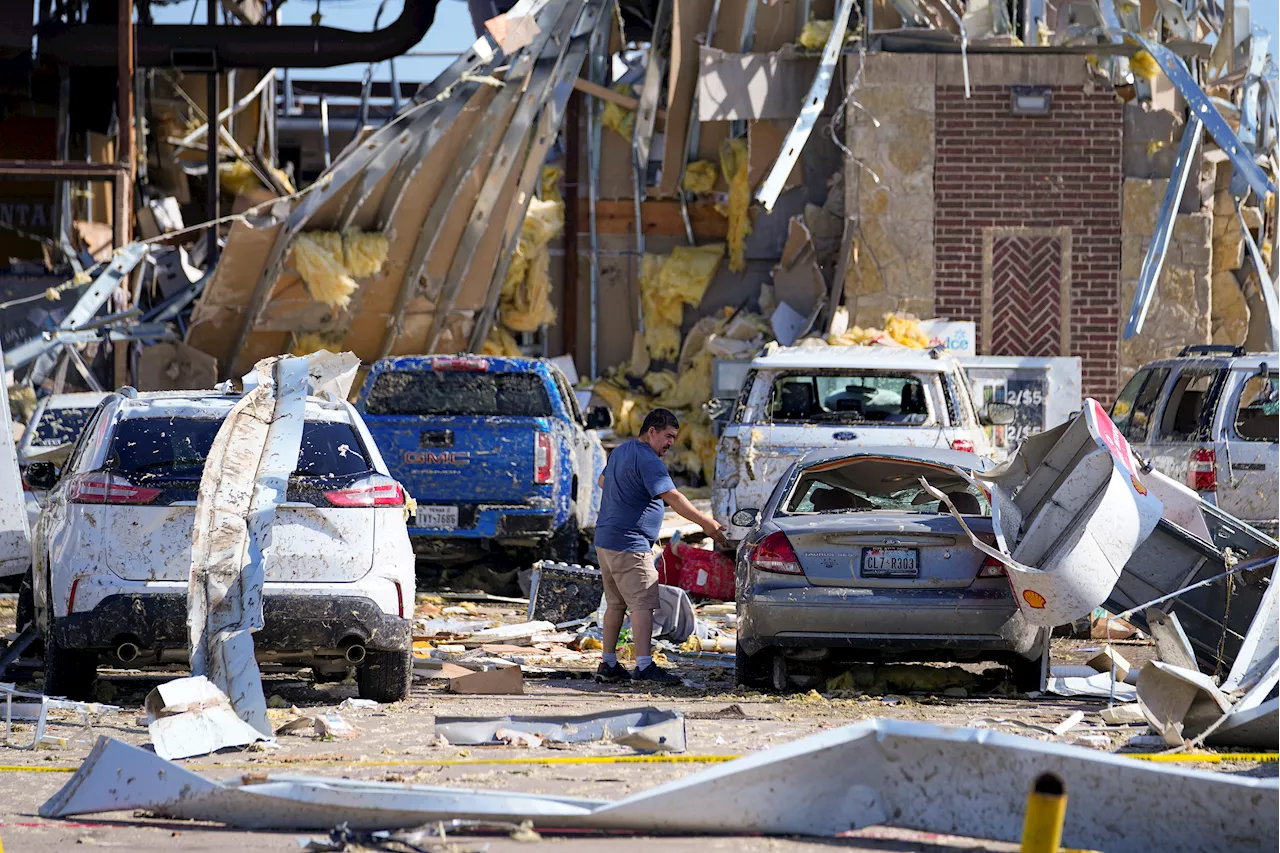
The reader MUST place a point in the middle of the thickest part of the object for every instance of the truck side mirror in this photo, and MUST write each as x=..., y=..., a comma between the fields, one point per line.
x=997, y=414
x=41, y=475
x=599, y=417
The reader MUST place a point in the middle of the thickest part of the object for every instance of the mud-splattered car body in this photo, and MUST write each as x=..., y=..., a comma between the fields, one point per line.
x=850, y=558
x=850, y=397
x=495, y=451
x=112, y=550
x=58, y=420
x=1211, y=419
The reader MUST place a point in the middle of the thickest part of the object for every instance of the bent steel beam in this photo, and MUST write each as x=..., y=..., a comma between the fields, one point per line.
x=796, y=138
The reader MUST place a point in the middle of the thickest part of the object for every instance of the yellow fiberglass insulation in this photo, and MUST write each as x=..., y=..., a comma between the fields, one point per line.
x=319, y=262
x=901, y=329
x=363, y=254
x=238, y=178
x=666, y=286
x=500, y=342
x=551, y=177
x=628, y=408
x=699, y=177
x=616, y=117
x=526, y=293
x=733, y=163
x=312, y=342
x=815, y=34
x=1144, y=65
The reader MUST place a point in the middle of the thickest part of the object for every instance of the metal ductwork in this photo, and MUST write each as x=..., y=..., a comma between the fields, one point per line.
x=205, y=48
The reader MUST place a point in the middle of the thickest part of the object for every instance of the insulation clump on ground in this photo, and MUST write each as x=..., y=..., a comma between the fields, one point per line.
x=666, y=286
x=899, y=330
x=733, y=164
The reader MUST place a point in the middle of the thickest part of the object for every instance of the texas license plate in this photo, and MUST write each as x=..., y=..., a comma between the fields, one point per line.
x=890, y=563
x=438, y=517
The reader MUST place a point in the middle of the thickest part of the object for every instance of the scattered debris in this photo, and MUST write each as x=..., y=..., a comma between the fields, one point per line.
x=191, y=716
x=560, y=593
x=755, y=794
x=498, y=680
x=649, y=729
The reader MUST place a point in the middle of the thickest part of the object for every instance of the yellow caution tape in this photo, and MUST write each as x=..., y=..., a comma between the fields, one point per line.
x=453, y=762
x=1206, y=758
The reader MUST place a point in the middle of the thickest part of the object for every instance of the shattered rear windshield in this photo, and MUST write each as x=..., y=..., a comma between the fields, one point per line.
x=852, y=397
x=881, y=484
x=169, y=447
x=436, y=393
x=61, y=426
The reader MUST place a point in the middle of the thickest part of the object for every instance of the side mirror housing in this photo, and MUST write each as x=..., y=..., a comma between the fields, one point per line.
x=599, y=417
x=997, y=414
x=41, y=475
x=745, y=518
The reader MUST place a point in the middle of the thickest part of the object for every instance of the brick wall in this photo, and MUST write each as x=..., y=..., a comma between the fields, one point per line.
x=998, y=171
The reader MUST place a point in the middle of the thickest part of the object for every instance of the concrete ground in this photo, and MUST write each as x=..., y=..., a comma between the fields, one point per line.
x=396, y=743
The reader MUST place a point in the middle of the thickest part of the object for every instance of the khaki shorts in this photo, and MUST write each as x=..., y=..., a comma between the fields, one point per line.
x=630, y=579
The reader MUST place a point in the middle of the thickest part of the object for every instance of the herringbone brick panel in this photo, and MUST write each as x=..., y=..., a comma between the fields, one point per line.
x=1026, y=300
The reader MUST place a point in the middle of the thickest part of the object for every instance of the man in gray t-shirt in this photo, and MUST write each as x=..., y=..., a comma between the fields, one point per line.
x=635, y=485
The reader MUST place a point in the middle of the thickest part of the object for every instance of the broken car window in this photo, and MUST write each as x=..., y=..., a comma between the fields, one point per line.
x=881, y=484
x=428, y=393
x=169, y=447
x=851, y=397
x=1258, y=412
x=1186, y=415
x=1139, y=419
x=61, y=426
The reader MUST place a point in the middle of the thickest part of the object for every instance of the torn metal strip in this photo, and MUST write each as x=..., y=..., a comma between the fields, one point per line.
x=1265, y=283
x=1153, y=262
x=549, y=88
x=651, y=90
x=430, y=233
x=1261, y=646
x=875, y=773
x=88, y=305
x=246, y=477
x=1239, y=154
x=796, y=138
x=548, y=125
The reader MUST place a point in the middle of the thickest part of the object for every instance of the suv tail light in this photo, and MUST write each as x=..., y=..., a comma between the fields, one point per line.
x=1202, y=474
x=543, y=458
x=963, y=445
x=371, y=491
x=99, y=488
x=775, y=554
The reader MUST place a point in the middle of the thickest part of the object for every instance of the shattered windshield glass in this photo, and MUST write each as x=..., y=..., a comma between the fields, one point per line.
x=852, y=396
x=876, y=483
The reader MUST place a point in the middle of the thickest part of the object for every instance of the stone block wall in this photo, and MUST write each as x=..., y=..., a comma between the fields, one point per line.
x=1001, y=178
x=889, y=189
x=1180, y=311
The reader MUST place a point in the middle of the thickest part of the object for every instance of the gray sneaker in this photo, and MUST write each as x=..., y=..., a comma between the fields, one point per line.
x=656, y=675
x=607, y=674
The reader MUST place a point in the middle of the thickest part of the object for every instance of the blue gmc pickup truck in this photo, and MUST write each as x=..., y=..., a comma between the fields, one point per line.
x=496, y=452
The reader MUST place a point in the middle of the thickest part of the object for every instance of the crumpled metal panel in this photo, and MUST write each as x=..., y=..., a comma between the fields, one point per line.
x=878, y=772
x=245, y=479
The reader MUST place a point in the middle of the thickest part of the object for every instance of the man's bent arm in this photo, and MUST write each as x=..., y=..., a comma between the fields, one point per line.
x=681, y=505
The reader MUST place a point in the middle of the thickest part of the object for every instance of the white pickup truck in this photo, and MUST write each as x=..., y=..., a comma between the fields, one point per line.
x=799, y=399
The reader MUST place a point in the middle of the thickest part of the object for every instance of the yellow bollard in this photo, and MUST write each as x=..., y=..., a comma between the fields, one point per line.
x=1046, y=811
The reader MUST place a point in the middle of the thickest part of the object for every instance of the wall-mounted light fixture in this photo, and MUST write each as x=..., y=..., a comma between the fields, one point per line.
x=1030, y=101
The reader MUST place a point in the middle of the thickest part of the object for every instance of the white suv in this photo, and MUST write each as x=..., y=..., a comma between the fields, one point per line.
x=57, y=421
x=798, y=399
x=112, y=550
